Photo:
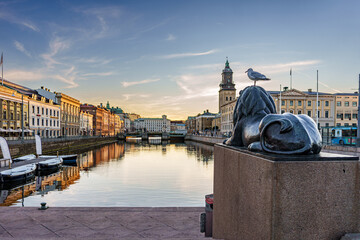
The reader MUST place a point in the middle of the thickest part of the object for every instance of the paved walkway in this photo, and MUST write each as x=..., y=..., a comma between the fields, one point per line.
x=100, y=223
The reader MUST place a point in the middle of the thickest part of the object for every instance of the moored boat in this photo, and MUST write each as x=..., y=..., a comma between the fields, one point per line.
x=49, y=166
x=18, y=174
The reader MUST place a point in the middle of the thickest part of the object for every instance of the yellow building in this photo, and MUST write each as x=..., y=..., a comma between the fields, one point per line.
x=227, y=112
x=346, y=109
x=304, y=102
x=11, y=106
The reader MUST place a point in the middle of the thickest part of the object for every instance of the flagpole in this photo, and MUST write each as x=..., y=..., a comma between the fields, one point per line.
x=317, y=98
x=280, y=101
x=2, y=70
x=291, y=78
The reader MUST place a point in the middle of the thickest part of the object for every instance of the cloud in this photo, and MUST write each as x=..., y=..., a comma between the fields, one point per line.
x=128, y=84
x=56, y=45
x=181, y=55
x=285, y=67
x=128, y=96
x=170, y=38
x=23, y=75
x=19, y=46
x=94, y=60
x=98, y=74
x=7, y=16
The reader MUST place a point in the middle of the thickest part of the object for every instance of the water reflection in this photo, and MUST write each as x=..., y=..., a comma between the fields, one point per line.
x=124, y=174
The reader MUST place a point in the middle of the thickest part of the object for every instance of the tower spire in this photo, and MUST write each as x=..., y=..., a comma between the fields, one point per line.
x=227, y=63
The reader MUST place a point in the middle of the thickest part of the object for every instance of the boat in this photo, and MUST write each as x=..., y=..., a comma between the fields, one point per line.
x=16, y=174
x=48, y=166
x=66, y=159
x=25, y=158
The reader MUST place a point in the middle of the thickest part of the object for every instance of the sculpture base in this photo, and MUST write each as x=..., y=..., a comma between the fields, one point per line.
x=262, y=196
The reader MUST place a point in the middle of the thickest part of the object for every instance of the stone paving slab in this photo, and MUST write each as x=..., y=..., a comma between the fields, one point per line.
x=101, y=223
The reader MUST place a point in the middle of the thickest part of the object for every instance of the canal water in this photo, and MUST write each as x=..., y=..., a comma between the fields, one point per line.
x=123, y=174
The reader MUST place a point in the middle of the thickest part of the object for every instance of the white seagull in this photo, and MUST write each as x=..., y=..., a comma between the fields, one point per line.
x=256, y=76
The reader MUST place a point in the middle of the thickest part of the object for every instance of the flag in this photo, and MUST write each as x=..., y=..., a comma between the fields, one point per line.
x=1, y=61
x=290, y=70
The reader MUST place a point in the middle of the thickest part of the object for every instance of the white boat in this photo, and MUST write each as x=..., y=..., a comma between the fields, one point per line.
x=21, y=173
x=52, y=165
x=25, y=158
x=66, y=159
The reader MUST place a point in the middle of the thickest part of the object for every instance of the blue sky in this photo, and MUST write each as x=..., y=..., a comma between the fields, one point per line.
x=166, y=57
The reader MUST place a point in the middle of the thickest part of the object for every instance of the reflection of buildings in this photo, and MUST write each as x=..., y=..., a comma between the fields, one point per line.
x=60, y=180
x=203, y=152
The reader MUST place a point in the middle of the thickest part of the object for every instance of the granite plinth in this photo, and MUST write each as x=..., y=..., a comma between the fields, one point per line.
x=264, y=196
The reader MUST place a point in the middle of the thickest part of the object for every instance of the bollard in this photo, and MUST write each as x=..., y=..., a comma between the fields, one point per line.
x=43, y=206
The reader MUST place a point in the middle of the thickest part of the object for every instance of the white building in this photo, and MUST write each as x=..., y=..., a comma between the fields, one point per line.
x=227, y=112
x=44, y=116
x=152, y=124
x=86, y=123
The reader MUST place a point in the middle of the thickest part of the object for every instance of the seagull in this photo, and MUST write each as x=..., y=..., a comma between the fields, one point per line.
x=256, y=76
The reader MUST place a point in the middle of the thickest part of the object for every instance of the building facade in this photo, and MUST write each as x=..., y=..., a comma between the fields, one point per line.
x=190, y=124
x=227, y=92
x=86, y=123
x=11, y=104
x=152, y=124
x=304, y=102
x=44, y=116
x=204, y=122
x=227, y=112
x=346, y=109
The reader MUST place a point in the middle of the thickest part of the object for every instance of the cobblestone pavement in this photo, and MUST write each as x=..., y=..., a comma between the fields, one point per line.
x=100, y=223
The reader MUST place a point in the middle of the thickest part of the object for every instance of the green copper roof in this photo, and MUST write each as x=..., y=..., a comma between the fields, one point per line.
x=227, y=63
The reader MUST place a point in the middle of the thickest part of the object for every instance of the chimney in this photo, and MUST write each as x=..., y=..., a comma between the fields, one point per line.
x=309, y=90
x=42, y=87
x=207, y=110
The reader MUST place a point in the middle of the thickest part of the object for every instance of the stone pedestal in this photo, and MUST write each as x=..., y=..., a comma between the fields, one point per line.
x=265, y=196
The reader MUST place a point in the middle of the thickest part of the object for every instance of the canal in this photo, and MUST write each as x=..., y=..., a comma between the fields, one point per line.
x=123, y=174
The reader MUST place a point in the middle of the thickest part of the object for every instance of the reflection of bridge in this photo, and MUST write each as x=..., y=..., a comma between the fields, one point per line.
x=145, y=136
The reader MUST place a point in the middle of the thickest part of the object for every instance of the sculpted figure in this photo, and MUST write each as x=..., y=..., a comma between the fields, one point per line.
x=258, y=127
x=253, y=104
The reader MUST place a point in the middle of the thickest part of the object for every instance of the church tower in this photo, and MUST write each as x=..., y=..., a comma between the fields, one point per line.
x=227, y=92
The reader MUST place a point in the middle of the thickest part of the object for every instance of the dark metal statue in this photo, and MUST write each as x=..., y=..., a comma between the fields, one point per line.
x=258, y=127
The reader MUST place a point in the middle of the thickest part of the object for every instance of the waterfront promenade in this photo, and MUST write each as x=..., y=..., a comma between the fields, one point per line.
x=100, y=223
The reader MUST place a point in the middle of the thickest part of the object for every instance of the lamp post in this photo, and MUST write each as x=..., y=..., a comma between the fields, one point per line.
x=358, y=119
x=22, y=117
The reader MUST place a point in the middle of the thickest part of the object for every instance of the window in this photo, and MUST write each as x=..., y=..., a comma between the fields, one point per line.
x=338, y=124
x=38, y=110
x=354, y=104
x=299, y=103
x=57, y=113
x=50, y=112
x=282, y=103
x=299, y=112
x=309, y=103
x=318, y=103
x=33, y=121
x=348, y=116
x=226, y=98
x=18, y=115
x=326, y=114
x=354, y=115
x=309, y=113
x=42, y=122
x=38, y=122
x=33, y=109
x=47, y=112
x=326, y=103
x=338, y=104
x=346, y=104
x=326, y=124
x=42, y=111
x=291, y=103
x=354, y=124
x=346, y=124
x=230, y=98
x=318, y=114
x=4, y=114
x=11, y=115
x=339, y=115
x=50, y=123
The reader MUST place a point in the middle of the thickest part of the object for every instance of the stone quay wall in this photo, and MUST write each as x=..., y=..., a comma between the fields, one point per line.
x=54, y=145
x=204, y=139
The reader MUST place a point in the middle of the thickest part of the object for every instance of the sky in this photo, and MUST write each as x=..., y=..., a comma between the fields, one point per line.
x=166, y=57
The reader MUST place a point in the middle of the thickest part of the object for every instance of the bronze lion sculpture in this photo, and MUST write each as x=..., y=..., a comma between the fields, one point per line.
x=259, y=128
